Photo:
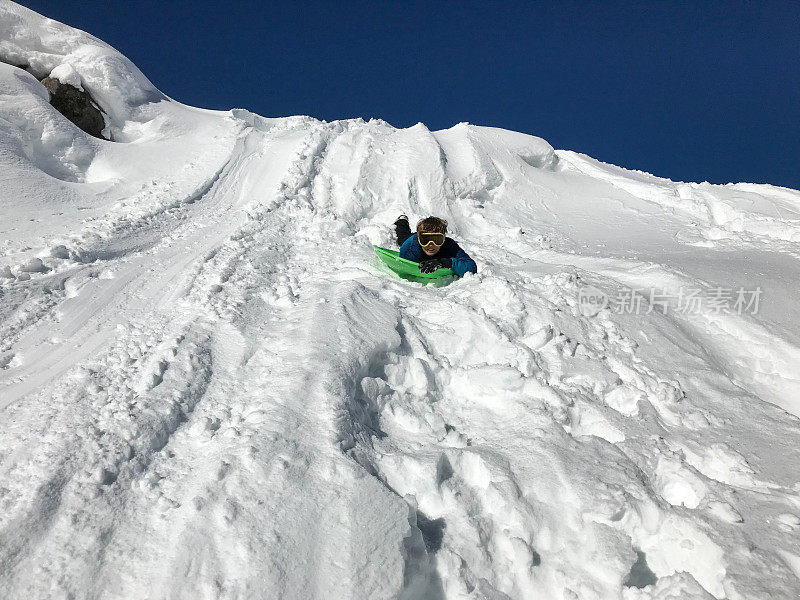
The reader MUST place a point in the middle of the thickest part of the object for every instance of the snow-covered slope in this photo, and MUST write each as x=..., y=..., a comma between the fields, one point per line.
x=210, y=388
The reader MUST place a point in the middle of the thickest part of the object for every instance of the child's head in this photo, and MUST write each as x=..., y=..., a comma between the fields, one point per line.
x=431, y=225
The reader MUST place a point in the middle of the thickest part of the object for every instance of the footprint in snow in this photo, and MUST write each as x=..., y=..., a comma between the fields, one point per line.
x=5, y=360
x=677, y=484
x=788, y=522
x=724, y=511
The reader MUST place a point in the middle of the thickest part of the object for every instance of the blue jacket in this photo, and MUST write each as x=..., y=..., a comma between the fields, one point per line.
x=411, y=250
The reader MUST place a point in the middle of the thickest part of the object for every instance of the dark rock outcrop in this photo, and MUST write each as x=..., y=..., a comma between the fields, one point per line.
x=75, y=105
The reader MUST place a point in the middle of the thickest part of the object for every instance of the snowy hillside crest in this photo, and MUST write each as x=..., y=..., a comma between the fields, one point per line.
x=211, y=387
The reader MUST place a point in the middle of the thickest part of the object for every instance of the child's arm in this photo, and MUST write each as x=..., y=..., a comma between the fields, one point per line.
x=410, y=250
x=462, y=262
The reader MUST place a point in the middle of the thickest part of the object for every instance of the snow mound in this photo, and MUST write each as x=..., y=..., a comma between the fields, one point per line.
x=32, y=131
x=48, y=48
x=210, y=387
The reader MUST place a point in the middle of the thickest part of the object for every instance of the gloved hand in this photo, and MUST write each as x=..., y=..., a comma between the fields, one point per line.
x=429, y=266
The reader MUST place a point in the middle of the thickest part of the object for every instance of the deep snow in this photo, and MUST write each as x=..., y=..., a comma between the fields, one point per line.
x=210, y=388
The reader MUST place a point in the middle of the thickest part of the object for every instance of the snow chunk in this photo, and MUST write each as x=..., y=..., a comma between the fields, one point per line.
x=67, y=75
x=34, y=265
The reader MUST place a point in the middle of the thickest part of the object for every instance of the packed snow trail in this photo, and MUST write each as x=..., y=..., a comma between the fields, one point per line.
x=210, y=387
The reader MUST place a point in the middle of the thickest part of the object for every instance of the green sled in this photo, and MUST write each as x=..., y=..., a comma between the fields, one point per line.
x=408, y=269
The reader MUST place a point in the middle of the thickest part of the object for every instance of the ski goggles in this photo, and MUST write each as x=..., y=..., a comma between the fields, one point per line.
x=437, y=239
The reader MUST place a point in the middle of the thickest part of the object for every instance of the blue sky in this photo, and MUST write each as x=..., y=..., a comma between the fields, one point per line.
x=693, y=91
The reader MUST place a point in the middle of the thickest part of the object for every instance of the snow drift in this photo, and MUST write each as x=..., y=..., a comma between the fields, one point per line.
x=209, y=386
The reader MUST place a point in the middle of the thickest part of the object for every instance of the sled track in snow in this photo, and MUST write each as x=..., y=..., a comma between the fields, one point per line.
x=127, y=457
